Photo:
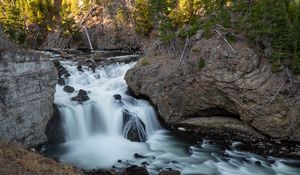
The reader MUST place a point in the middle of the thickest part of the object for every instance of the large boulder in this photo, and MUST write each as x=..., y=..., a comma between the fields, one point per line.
x=211, y=80
x=27, y=86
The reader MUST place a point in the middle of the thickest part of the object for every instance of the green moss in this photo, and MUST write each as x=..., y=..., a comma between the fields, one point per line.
x=195, y=49
x=144, y=62
x=231, y=38
x=201, y=63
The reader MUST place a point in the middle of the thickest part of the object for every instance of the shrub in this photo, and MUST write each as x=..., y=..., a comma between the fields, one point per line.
x=201, y=63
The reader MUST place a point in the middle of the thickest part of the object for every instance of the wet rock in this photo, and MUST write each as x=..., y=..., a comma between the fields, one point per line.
x=79, y=68
x=61, y=82
x=117, y=97
x=133, y=127
x=145, y=163
x=56, y=63
x=258, y=163
x=138, y=156
x=81, y=96
x=135, y=170
x=61, y=71
x=54, y=129
x=69, y=89
x=93, y=67
x=169, y=172
x=129, y=92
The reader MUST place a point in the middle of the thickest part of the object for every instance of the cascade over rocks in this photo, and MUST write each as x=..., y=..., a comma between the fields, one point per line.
x=243, y=84
x=27, y=82
x=133, y=127
x=62, y=73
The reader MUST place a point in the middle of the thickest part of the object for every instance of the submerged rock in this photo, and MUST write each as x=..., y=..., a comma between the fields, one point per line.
x=62, y=71
x=81, y=96
x=117, y=97
x=133, y=127
x=138, y=156
x=79, y=68
x=61, y=82
x=169, y=172
x=69, y=89
x=27, y=86
x=56, y=63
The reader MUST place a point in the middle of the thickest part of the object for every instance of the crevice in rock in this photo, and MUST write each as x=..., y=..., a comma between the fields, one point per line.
x=147, y=98
x=54, y=128
x=216, y=111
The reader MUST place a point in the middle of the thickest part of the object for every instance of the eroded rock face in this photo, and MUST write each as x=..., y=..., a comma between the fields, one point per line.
x=27, y=81
x=242, y=84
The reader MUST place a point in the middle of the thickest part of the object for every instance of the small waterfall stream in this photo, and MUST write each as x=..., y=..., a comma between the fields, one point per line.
x=111, y=128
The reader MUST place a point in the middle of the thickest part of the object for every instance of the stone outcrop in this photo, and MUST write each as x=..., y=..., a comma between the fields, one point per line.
x=27, y=82
x=211, y=80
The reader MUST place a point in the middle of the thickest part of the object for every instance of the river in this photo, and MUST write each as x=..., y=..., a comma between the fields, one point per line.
x=112, y=130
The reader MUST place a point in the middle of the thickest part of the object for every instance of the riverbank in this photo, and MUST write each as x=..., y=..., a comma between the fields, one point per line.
x=15, y=159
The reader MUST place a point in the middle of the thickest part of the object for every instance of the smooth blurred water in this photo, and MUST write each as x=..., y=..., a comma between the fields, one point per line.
x=96, y=137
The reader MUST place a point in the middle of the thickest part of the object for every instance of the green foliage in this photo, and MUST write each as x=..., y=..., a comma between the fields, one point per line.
x=25, y=18
x=12, y=21
x=268, y=26
x=144, y=62
x=122, y=16
x=201, y=63
x=190, y=31
x=142, y=17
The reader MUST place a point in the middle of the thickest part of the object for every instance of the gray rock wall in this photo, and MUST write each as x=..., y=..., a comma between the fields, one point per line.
x=27, y=86
x=241, y=83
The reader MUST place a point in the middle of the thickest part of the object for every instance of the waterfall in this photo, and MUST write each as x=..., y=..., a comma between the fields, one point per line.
x=108, y=128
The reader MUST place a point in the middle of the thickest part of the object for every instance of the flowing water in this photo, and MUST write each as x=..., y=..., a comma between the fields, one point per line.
x=97, y=133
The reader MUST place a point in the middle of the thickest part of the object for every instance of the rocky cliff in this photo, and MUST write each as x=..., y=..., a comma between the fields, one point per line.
x=27, y=81
x=212, y=81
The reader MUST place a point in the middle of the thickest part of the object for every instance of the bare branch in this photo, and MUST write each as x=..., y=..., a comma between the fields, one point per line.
x=183, y=52
x=219, y=33
x=276, y=93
